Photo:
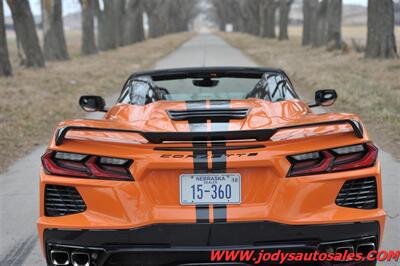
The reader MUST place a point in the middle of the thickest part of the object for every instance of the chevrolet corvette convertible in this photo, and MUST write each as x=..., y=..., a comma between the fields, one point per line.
x=192, y=160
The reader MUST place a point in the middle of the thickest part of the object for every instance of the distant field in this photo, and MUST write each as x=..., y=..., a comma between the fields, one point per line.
x=369, y=88
x=359, y=33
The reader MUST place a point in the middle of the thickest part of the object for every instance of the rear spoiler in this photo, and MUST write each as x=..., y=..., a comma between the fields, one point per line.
x=258, y=134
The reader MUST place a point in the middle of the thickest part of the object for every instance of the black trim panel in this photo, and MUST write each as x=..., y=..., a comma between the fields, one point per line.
x=259, y=134
x=211, y=235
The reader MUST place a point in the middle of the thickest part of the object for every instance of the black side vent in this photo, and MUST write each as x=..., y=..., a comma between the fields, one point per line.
x=224, y=113
x=358, y=193
x=62, y=200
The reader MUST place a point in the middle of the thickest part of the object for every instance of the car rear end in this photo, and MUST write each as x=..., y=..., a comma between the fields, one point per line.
x=170, y=203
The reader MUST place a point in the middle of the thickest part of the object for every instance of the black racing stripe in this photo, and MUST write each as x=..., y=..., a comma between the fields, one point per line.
x=219, y=213
x=218, y=152
x=219, y=155
x=200, y=161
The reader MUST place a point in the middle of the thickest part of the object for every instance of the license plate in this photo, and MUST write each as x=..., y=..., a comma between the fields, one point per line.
x=196, y=189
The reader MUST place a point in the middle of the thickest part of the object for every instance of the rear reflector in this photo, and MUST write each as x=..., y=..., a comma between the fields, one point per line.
x=84, y=165
x=337, y=159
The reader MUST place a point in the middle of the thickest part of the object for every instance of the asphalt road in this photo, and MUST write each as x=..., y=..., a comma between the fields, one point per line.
x=19, y=197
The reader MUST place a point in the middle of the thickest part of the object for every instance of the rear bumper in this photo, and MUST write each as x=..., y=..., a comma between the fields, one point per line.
x=174, y=244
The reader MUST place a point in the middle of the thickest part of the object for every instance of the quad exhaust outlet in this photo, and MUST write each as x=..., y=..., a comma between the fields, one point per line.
x=80, y=259
x=64, y=258
x=59, y=257
x=365, y=248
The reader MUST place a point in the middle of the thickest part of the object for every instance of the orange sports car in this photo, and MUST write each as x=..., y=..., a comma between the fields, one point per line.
x=199, y=159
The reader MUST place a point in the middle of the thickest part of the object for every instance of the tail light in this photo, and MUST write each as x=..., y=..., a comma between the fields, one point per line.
x=337, y=159
x=84, y=165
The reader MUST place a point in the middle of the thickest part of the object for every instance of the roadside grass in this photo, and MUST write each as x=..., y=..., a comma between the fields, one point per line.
x=35, y=100
x=369, y=88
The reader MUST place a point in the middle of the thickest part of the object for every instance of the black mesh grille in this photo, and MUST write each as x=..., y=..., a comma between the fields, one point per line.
x=358, y=193
x=62, y=200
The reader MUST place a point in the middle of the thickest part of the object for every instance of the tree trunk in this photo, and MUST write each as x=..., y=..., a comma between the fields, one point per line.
x=381, y=41
x=334, y=23
x=107, y=25
x=5, y=66
x=314, y=4
x=120, y=16
x=54, y=47
x=320, y=23
x=133, y=29
x=284, y=9
x=268, y=8
x=26, y=33
x=88, y=45
x=158, y=17
x=152, y=7
x=307, y=21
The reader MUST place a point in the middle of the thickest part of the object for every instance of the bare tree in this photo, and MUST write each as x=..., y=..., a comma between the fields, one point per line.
x=88, y=36
x=183, y=14
x=120, y=14
x=268, y=18
x=154, y=10
x=334, y=23
x=233, y=12
x=381, y=41
x=251, y=16
x=5, y=66
x=107, y=24
x=221, y=14
x=169, y=16
x=284, y=9
x=54, y=47
x=243, y=15
x=319, y=23
x=308, y=12
x=133, y=22
x=25, y=30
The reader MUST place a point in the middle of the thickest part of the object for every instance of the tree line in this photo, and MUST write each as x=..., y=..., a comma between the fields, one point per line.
x=322, y=22
x=119, y=23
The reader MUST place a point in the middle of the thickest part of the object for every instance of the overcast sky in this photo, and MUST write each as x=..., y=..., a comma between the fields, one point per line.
x=71, y=6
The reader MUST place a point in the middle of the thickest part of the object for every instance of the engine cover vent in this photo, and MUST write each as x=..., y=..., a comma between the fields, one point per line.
x=222, y=113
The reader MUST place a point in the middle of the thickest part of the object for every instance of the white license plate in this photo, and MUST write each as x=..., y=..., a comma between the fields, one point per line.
x=196, y=189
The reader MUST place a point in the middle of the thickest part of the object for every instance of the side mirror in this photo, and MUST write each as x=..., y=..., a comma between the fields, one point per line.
x=324, y=98
x=90, y=103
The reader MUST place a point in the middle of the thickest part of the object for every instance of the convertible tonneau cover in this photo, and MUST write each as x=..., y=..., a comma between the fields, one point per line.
x=259, y=134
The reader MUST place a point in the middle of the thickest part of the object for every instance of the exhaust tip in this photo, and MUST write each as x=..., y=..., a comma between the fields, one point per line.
x=59, y=257
x=80, y=259
x=341, y=250
x=365, y=248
